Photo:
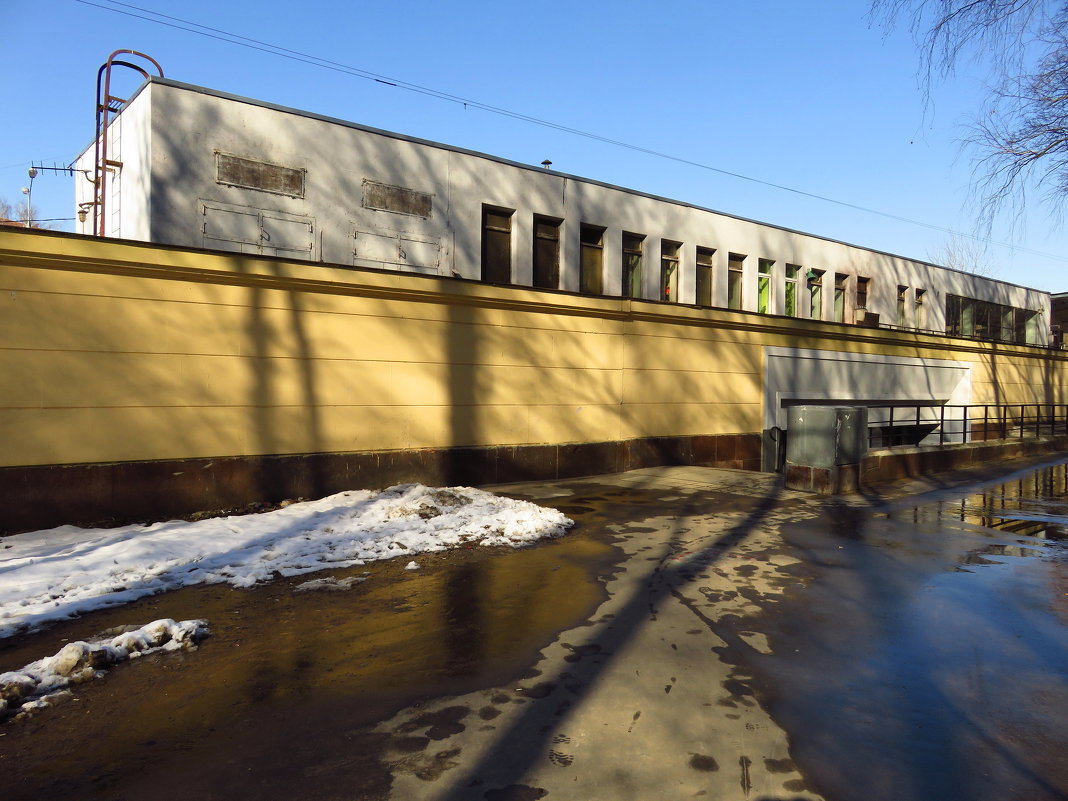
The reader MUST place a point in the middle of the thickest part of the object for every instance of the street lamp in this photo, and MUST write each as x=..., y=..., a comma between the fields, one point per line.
x=28, y=192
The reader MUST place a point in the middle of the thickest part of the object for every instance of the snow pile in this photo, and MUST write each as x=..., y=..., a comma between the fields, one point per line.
x=330, y=583
x=44, y=682
x=59, y=573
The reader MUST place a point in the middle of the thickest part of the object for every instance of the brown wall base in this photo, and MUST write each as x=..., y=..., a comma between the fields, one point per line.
x=112, y=494
x=891, y=465
x=838, y=480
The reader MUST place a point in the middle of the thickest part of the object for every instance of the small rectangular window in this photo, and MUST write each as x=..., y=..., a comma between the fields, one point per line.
x=669, y=270
x=546, y=253
x=902, y=311
x=764, y=285
x=735, y=269
x=839, y=298
x=632, y=265
x=704, y=276
x=591, y=280
x=814, y=284
x=920, y=315
x=862, y=292
x=496, y=245
x=792, y=271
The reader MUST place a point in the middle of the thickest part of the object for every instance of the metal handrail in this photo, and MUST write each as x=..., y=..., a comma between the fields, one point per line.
x=908, y=425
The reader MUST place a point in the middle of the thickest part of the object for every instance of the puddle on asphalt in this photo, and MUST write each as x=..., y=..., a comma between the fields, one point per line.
x=281, y=701
x=927, y=655
x=287, y=679
x=1033, y=505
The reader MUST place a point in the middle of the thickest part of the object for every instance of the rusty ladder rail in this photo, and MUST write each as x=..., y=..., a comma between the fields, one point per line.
x=107, y=107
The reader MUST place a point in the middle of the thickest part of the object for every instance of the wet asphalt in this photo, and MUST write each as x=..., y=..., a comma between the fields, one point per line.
x=700, y=633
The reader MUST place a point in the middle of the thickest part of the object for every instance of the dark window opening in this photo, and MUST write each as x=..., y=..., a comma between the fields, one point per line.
x=862, y=292
x=591, y=279
x=632, y=265
x=734, y=280
x=496, y=246
x=704, y=276
x=546, y=253
x=669, y=270
x=814, y=284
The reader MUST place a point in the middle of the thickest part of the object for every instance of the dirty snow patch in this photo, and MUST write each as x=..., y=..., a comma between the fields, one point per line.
x=45, y=682
x=329, y=583
x=413, y=565
x=62, y=572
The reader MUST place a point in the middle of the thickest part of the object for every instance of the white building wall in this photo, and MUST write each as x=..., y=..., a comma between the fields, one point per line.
x=128, y=211
x=172, y=164
x=793, y=375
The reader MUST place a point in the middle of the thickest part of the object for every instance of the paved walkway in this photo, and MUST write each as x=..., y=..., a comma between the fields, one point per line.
x=702, y=633
x=637, y=703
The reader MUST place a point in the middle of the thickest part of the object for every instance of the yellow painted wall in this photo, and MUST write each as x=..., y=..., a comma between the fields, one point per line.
x=116, y=351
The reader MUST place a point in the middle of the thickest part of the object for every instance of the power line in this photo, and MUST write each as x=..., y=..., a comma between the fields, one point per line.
x=307, y=58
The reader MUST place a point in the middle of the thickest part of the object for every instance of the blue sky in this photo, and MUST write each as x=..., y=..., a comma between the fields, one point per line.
x=812, y=96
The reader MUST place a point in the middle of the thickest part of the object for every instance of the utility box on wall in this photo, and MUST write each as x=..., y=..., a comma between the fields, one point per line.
x=824, y=447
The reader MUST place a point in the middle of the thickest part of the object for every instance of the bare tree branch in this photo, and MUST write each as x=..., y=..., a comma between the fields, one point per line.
x=1020, y=137
x=967, y=254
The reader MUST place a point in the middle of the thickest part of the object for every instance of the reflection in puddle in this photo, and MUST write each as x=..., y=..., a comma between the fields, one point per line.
x=979, y=556
x=288, y=678
x=925, y=660
x=1034, y=505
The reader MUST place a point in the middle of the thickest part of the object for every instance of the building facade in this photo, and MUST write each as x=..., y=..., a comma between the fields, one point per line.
x=200, y=168
x=145, y=380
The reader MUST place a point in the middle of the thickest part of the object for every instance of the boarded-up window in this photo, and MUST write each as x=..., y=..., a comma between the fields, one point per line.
x=398, y=199
x=249, y=174
x=281, y=234
x=243, y=229
x=496, y=246
x=232, y=225
x=862, y=291
x=396, y=250
x=546, y=253
x=592, y=242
